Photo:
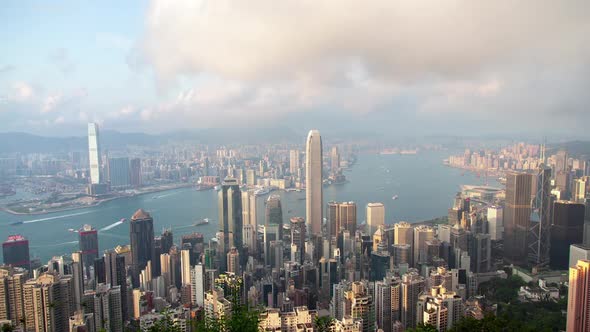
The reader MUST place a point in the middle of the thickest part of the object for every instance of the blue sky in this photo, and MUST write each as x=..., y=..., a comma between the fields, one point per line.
x=413, y=67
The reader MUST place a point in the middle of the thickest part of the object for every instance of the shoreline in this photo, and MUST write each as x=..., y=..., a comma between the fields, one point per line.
x=97, y=203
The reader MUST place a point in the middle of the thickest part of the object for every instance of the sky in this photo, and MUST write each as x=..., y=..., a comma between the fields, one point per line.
x=421, y=67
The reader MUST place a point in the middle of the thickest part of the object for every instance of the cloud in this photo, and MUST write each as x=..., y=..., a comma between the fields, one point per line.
x=5, y=69
x=432, y=58
x=22, y=91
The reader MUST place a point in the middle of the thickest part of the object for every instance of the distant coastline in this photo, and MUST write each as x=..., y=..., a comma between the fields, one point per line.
x=97, y=202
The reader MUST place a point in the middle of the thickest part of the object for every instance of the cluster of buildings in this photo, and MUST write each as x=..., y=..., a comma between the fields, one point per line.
x=367, y=277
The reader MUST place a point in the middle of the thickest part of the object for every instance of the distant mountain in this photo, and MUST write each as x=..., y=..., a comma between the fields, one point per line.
x=574, y=148
x=13, y=142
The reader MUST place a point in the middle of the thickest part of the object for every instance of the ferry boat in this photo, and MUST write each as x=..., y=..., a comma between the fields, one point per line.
x=202, y=222
x=395, y=197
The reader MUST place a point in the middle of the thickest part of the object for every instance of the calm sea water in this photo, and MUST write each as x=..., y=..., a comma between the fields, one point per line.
x=425, y=188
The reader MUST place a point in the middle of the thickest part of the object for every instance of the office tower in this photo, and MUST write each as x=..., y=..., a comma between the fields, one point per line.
x=403, y=233
x=233, y=261
x=578, y=308
x=230, y=219
x=341, y=216
x=402, y=254
x=100, y=274
x=561, y=163
x=106, y=306
x=77, y=272
x=39, y=293
x=198, y=285
x=15, y=251
x=580, y=186
x=411, y=286
x=313, y=183
x=94, y=153
x=421, y=235
x=250, y=177
x=567, y=229
x=250, y=238
x=141, y=234
x=359, y=305
x=195, y=243
x=249, y=208
x=517, y=213
x=298, y=237
x=293, y=161
x=480, y=249
x=540, y=219
x=167, y=240
x=273, y=225
x=119, y=172
x=88, y=244
x=375, y=216
x=495, y=218
x=380, y=261
x=116, y=275
x=135, y=172
x=185, y=266
x=334, y=160
x=12, y=306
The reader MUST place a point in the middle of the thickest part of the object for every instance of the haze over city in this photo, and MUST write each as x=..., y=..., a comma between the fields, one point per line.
x=301, y=166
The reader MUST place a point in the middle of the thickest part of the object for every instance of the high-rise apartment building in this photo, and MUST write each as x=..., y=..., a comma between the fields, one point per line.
x=39, y=293
x=387, y=303
x=233, y=261
x=411, y=286
x=12, y=306
x=517, y=216
x=141, y=234
x=313, y=183
x=116, y=275
x=578, y=305
x=15, y=252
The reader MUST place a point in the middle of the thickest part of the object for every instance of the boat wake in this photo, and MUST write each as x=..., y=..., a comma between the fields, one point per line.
x=111, y=226
x=57, y=217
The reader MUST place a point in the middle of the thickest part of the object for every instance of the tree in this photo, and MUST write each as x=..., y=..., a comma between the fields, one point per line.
x=323, y=324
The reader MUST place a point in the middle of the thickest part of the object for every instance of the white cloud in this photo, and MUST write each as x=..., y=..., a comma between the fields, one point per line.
x=22, y=91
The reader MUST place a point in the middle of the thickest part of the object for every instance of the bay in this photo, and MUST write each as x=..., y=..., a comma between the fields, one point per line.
x=425, y=189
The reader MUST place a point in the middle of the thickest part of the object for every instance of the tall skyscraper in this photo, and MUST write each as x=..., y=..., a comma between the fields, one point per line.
x=375, y=216
x=88, y=244
x=495, y=218
x=313, y=183
x=334, y=160
x=94, y=153
x=421, y=235
x=230, y=219
x=119, y=172
x=298, y=236
x=578, y=304
x=341, y=216
x=293, y=161
x=141, y=234
x=567, y=229
x=517, y=216
x=106, y=305
x=77, y=272
x=15, y=251
x=135, y=172
x=185, y=266
x=116, y=275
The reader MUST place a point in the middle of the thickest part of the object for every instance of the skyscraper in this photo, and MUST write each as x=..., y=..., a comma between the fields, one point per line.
x=116, y=275
x=273, y=225
x=517, y=216
x=313, y=183
x=135, y=172
x=578, y=308
x=15, y=251
x=88, y=244
x=334, y=160
x=421, y=235
x=567, y=229
x=94, y=153
x=230, y=219
x=341, y=216
x=119, y=173
x=298, y=237
x=293, y=161
x=39, y=293
x=412, y=285
x=141, y=235
x=375, y=216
